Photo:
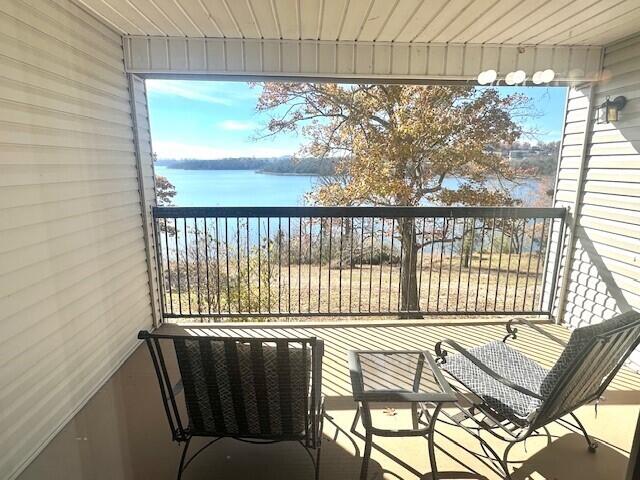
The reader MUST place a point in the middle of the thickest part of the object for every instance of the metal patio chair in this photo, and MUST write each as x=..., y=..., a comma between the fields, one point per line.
x=256, y=390
x=516, y=397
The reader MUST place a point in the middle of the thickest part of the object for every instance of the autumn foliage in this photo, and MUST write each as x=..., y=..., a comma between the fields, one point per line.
x=397, y=143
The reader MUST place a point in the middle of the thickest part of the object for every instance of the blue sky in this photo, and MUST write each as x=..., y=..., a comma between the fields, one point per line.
x=207, y=119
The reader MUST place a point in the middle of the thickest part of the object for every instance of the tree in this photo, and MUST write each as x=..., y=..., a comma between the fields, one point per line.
x=396, y=145
x=165, y=191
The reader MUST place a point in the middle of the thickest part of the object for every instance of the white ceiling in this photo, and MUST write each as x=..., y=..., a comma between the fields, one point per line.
x=530, y=22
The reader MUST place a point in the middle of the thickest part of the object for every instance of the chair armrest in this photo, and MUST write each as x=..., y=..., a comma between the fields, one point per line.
x=441, y=355
x=317, y=373
x=512, y=331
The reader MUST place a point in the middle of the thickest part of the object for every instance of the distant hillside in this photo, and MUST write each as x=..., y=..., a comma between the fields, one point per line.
x=276, y=166
x=300, y=166
x=219, y=164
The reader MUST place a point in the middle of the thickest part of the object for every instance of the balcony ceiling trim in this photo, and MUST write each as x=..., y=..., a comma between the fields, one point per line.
x=313, y=59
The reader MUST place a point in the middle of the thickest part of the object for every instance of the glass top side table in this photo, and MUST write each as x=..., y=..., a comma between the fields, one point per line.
x=397, y=376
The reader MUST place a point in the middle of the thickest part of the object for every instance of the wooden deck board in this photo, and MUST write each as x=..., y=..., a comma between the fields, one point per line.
x=339, y=338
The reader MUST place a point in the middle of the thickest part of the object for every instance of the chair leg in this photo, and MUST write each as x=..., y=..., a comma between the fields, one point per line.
x=592, y=444
x=431, y=443
x=318, y=452
x=319, y=445
x=505, y=461
x=432, y=455
x=182, y=458
x=365, y=456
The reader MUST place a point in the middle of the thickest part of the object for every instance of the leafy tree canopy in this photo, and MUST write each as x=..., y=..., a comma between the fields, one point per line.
x=397, y=144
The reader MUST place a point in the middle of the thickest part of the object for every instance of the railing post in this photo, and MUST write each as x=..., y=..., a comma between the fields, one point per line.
x=556, y=263
x=159, y=265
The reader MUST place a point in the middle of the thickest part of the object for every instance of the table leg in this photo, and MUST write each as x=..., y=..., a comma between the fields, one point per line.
x=414, y=415
x=354, y=424
x=431, y=442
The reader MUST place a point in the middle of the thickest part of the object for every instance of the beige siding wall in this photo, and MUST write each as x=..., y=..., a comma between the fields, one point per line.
x=350, y=59
x=146, y=175
x=570, y=168
x=604, y=274
x=74, y=283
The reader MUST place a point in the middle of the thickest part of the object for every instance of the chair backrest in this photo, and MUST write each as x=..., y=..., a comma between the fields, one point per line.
x=254, y=388
x=592, y=357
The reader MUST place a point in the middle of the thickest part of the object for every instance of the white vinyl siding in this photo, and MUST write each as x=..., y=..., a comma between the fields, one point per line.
x=146, y=174
x=567, y=181
x=604, y=276
x=74, y=282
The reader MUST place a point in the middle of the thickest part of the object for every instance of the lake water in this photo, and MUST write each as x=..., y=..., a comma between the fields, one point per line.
x=239, y=188
x=236, y=188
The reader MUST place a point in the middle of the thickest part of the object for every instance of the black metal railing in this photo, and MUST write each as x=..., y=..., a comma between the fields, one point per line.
x=345, y=261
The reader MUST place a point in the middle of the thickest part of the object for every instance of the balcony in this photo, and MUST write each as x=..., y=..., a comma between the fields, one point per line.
x=122, y=432
x=337, y=274
x=84, y=265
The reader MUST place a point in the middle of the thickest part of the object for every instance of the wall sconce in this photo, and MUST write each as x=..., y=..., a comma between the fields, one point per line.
x=608, y=111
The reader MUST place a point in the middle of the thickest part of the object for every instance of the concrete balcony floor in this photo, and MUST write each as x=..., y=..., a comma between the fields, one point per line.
x=122, y=432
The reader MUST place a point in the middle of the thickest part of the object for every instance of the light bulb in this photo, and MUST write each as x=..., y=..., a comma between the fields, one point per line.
x=537, y=78
x=548, y=76
x=510, y=79
x=519, y=76
x=490, y=76
x=487, y=77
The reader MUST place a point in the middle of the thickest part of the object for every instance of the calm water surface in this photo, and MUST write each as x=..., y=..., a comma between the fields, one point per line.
x=236, y=188
x=239, y=188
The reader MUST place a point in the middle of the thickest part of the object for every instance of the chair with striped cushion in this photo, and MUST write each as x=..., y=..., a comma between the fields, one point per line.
x=258, y=390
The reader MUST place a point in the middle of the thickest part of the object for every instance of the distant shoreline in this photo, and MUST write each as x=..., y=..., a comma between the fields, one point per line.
x=317, y=167
x=261, y=172
x=307, y=166
x=536, y=176
x=289, y=174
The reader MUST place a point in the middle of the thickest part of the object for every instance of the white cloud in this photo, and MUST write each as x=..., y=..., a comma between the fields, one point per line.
x=237, y=125
x=176, y=150
x=191, y=92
